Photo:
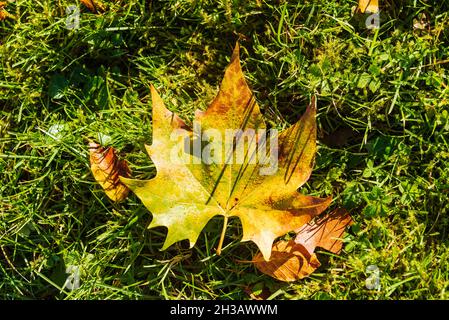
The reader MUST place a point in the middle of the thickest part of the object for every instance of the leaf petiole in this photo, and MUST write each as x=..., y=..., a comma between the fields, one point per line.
x=223, y=232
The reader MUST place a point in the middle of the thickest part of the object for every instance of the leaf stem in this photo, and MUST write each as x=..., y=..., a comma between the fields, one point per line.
x=223, y=232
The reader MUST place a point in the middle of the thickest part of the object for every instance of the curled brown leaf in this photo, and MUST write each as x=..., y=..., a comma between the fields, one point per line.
x=106, y=169
x=94, y=6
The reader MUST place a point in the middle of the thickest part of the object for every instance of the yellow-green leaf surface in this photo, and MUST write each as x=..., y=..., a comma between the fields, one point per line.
x=184, y=196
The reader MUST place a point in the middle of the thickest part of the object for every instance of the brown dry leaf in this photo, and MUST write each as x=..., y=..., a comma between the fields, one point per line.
x=295, y=259
x=106, y=168
x=289, y=261
x=325, y=232
x=94, y=6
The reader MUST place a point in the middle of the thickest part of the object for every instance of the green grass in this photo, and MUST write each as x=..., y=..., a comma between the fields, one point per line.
x=383, y=138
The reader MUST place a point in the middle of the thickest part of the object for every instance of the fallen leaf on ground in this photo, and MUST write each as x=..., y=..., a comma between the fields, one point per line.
x=368, y=6
x=289, y=262
x=325, y=232
x=94, y=6
x=106, y=169
x=295, y=259
x=185, y=195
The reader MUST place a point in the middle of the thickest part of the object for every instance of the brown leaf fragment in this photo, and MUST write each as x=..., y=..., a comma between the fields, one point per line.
x=94, y=6
x=106, y=168
x=288, y=262
x=325, y=232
